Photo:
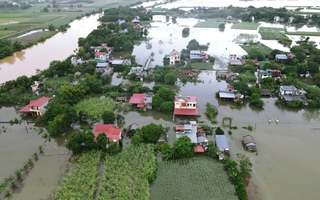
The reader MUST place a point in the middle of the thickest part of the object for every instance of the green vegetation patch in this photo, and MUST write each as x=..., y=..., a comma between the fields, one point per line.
x=265, y=50
x=95, y=107
x=195, y=178
x=80, y=183
x=246, y=25
x=245, y=38
x=33, y=38
x=272, y=33
x=42, y=19
x=201, y=66
x=304, y=33
x=127, y=175
x=3, y=33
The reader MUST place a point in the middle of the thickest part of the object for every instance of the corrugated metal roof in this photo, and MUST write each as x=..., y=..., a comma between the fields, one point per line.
x=229, y=95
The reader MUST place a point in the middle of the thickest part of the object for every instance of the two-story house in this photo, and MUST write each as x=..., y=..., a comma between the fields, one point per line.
x=185, y=105
x=103, y=56
x=36, y=107
x=174, y=57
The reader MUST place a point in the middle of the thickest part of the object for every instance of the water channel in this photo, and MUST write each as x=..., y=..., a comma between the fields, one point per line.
x=286, y=167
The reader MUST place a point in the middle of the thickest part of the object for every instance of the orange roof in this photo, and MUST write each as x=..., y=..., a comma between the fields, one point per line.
x=198, y=149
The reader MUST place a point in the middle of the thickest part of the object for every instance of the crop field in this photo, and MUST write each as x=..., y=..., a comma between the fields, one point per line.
x=3, y=33
x=122, y=176
x=127, y=175
x=189, y=179
x=245, y=25
x=201, y=66
x=272, y=33
x=265, y=50
x=81, y=183
x=245, y=38
x=304, y=33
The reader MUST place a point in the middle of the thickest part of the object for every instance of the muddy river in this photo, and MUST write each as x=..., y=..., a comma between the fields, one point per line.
x=285, y=168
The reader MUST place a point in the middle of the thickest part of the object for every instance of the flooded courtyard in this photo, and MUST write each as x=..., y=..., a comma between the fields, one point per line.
x=285, y=168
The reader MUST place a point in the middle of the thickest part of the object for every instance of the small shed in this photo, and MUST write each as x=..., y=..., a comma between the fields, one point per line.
x=162, y=139
x=249, y=143
x=265, y=92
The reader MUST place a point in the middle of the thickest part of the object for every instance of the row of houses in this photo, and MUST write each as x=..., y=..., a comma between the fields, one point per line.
x=175, y=56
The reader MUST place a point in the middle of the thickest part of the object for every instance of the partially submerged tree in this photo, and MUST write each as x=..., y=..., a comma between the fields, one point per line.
x=245, y=165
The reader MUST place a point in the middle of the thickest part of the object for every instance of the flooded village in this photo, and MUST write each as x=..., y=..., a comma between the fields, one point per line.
x=285, y=158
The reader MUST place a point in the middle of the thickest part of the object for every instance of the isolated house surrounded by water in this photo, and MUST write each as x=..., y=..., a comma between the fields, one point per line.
x=185, y=105
x=174, y=57
x=230, y=93
x=112, y=134
x=36, y=107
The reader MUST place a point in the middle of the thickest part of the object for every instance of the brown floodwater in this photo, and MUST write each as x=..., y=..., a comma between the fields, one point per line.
x=39, y=56
x=285, y=168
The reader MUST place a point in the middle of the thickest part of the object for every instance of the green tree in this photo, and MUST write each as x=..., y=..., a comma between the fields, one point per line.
x=58, y=125
x=183, y=147
x=151, y=132
x=101, y=141
x=219, y=131
x=256, y=100
x=167, y=107
x=74, y=142
x=51, y=27
x=108, y=117
x=137, y=138
x=113, y=148
x=167, y=151
x=245, y=166
x=157, y=102
x=170, y=78
x=166, y=93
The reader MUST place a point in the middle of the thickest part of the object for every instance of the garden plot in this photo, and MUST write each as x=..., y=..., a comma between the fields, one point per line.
x=195, y=178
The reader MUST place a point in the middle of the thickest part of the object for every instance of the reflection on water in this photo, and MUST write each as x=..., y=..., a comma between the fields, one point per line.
x=39, y=56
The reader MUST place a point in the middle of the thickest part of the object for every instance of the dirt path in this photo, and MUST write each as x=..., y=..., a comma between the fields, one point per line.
x=253, y=191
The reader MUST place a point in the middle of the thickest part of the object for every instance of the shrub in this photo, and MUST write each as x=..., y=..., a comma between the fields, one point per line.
x=219, y=131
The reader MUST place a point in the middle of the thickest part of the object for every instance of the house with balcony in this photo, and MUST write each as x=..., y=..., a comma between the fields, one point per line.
x=112, y=134
x=185, y=105
x=36, y=107
x=141, y=100
x=289, y=92
x=174, y=57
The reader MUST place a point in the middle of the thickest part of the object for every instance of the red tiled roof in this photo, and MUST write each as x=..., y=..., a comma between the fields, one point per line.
x=137, y=99
x=111, y=132
x=38, y=102
x=198, y=149
x=179, y=111
x=100, y=53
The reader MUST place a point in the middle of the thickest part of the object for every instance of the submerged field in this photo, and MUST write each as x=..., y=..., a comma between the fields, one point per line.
x=195, y=178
